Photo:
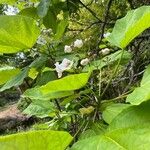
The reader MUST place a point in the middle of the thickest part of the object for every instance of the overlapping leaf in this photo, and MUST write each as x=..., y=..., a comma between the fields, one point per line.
x=127, y=28
x=6, y=73
x=17, y=33
x=39, y=109
x=16, y=80
x=137, y=138
x=36, y=140
x=123, y=131
x=112, y=111
x=58, y=88
x=7, y=1
x=108, y=60
x=131, y=117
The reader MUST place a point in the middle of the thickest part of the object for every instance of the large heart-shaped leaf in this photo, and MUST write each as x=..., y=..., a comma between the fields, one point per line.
x=129, y=130
x=58, y=88
x=131, y=117
x=6, y=73
x=137, y=138
x=17, y=33
x=127, y=28
x=36, y=140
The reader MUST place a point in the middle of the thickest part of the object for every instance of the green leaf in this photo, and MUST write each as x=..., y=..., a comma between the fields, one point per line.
x=33, y=73
x=43, y=8
x=146, y=76
x=50, y=20
x=61, y=29
x=39, y=62
x=16, y=80
x=139, y=95
x=127, y=28
x=142, y=93
x=131, y=117
x=58, y=88
x=130, y=129
x=29, y=12
x=36, y=140
x=108, y=60
x=45, y=77
x=95, y=129
x=6, y=73
x=123, y=131
x=68, y=83
x=35, y=93
x=7, y=1
x=39, y=109
x=112, y=111
x=17, y=33
x=137, y=138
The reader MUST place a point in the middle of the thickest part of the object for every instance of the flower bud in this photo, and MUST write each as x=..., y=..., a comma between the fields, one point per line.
x=105, y=51
x=84, y=62
x=67, y=49
x=78, y=43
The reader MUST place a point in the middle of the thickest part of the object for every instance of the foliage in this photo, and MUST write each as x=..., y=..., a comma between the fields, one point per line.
x=67, y=71
x=28, y=140
x=22, y=34
x=135, y=22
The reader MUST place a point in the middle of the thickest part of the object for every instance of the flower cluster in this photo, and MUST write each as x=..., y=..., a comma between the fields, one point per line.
x=78, y=44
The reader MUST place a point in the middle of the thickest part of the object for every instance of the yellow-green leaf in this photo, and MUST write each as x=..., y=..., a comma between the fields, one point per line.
x=17, y=33
x=36, y=140
x=127, y=28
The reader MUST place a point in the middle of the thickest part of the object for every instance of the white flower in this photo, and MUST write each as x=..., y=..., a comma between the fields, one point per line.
x=78, y=43
x=106, y=34
x=65, y=65
x=84, y=62
x=67, y=49
x=10, y=10
x=105, y=51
